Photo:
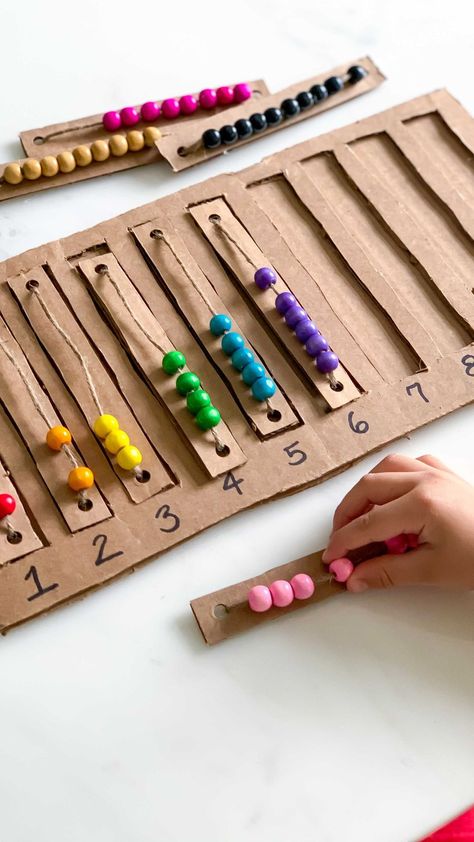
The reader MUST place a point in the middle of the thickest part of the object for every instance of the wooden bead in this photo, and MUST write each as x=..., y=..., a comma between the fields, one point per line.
x=13, y=174
x=150, y=134
x=116, y=440
x=82, y=155
x=104, y=424
x=118, y=145
x=129, y=457
x=31, y=169
x=57, y=436
x=100, y=150
x=135, y=140
x=66, y=161
x=80, y=478
x=49, y=166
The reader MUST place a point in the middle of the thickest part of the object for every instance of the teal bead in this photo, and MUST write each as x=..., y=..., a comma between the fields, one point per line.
x=263, y=388
x=188, y=381
x=220, y=324
x=241, y=357
x=252, y=372
x=197, y=400
x=173, y=361
x=208, y=417
x=230, y=342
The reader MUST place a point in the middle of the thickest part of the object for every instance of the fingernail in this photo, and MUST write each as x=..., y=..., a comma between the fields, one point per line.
x=324, y=555
x=358, y=586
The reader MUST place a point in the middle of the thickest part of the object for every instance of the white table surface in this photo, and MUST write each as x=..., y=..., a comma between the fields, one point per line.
x=351, y=721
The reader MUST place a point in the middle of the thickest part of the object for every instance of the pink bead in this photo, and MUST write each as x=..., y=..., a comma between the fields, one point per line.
x=282, y=593
x=242, y=91
x=225, y=95
x=170, y=108
x=150, y=111
x=397, y=545
x=188, y=104
x=412, y=540
x=303, y=586
x=208, y=99
x=260, y=599
x=341, y=569
x=112, y=121
x=130, y=116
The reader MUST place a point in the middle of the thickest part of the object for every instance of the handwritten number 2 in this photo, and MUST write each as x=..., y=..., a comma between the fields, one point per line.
x=101, y=540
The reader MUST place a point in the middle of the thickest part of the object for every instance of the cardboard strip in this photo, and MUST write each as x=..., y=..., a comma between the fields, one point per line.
x=73, y=375
x=197, y=312
x=149, y=358
x=264, y=300
x=26, y=540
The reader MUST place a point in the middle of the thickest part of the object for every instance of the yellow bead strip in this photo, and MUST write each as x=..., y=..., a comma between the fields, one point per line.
x=117, y=442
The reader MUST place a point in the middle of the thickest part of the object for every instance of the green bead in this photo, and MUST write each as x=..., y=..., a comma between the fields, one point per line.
x=187, y=382
x=197, y=400
x=208, y=417
x=173, y=361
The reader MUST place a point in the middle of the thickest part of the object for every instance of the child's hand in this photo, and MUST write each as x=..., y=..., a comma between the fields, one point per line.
x=420, y=496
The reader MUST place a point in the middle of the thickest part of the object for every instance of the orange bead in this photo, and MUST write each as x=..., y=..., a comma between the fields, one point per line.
x=80, y=478
x=57, y=436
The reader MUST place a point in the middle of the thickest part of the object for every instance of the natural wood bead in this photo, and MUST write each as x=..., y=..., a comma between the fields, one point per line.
x=118, y=145
x=150, y=134
x=66, y=161
x=49, y=166
x=31, y=169
x=136, y=141
x=13, y=174
x=100, y=150
x=82, y=155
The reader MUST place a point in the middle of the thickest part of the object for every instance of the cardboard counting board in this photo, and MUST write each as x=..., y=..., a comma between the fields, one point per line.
x=370, y=227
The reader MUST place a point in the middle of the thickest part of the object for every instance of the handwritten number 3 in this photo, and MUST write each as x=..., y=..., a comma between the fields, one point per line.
x=166, y=513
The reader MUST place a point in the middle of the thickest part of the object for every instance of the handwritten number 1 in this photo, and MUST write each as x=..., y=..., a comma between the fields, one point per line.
x=40, y=589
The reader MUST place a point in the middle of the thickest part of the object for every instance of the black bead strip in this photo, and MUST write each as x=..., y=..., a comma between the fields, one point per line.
x=243, y=128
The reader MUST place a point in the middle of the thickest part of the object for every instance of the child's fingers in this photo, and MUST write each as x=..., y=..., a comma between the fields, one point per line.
x=396, y=462
x=433, y=462
x=388, y=571
x=374, y=490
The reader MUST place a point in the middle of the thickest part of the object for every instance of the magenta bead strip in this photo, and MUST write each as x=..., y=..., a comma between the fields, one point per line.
x=281, y=593
x=170, y=109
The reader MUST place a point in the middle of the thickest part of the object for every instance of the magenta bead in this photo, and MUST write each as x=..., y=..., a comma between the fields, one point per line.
x=130, y=116
x=284, y=301
x=225, y=95
x=150, y=111
x=242, y=91
x=316, y=344
x=341, y=569
x=260, y=598
x=412, y=540
x=282, y=593
x=326, y=362
x=188, y=104
x=294, y=315
x=303, y=586
x=208, y=99
x=397, y=545
x=112, y=121
x=170, y=108
x=304, y=329
x=265, y=277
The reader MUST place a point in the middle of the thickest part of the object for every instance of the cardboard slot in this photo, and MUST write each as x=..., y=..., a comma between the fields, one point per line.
x=73, y=376
x=372, y=322
x=197, y=314
x=265, y=300
x=148, y=357
x=53, y=467
x=25, y=540
x=416, y=291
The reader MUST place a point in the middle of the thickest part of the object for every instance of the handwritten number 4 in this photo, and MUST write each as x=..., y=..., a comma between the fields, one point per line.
x=230, y=482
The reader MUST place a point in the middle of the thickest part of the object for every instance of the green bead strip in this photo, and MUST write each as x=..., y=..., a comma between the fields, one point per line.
x=189, y=386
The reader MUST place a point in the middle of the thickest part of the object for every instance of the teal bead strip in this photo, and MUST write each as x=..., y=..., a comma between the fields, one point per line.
x=232, y=343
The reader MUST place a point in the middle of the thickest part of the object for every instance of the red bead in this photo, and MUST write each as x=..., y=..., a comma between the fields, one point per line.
x=225, y=95
x=170, y=109
x=208, y=99
x=7, y=505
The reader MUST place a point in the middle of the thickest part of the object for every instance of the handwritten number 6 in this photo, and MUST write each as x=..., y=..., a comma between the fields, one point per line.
x=359, y=427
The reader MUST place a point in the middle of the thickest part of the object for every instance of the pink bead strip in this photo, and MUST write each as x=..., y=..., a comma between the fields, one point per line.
x=172, y=108
x=280, y=593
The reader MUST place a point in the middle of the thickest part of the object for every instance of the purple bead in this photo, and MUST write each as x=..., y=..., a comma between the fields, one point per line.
x=294, y=315
x=326, y=362
x=304, y=329
x=284, y=301
x=316, y=344
x=264, y=277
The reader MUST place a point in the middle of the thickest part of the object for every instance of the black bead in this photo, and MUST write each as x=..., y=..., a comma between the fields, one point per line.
x=211, y=139
x=228, y=134
x=319, y=92
x=290, y=107
x=244, y=128
x=259, y=122
x=334, y=84
x=305, y=100
x=274, y=116
x=356, y=73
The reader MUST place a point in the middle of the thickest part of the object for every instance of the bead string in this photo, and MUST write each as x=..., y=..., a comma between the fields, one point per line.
x=301, y=586
x=7, y=507
x=157, y=234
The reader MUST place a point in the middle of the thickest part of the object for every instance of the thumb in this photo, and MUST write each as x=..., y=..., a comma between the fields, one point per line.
x=389, y=571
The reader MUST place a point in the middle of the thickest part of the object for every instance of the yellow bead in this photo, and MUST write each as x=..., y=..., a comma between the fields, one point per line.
x=104, y=425
x=49, y=166
x=57, y=436
x=13, y=174
x=100, y=150
x=129, y=457
x=82, y=156
x=31, y=169
x=116, y=440
x=80, y=478
x=135, y=140
x=66, y=161
x=150, y=134
x=118, y=145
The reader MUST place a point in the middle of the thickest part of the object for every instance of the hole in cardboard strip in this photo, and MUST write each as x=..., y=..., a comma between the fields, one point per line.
x=337, y=387
x=143, y=477
x=222, y=450
x=85, y=505
x=101, y=268
x=33, y=284
x=156, y=234
x=14, y=537
x=39, y=139
x=220, y=611
x=214, y=217
x=182, y=151
x=274, y=415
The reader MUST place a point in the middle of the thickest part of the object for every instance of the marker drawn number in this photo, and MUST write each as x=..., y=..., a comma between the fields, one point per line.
x=416, y=386
x=231, y=482
x=293, y=450
x=166, y=513
x=468, y=363
x=40, y=589
x=101, y=540
x=359, y=427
